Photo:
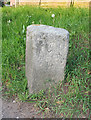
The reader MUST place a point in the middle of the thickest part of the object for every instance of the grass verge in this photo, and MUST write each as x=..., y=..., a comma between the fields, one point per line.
x=69, y=98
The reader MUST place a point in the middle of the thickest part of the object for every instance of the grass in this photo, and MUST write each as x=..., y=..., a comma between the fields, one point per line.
x=69, y=98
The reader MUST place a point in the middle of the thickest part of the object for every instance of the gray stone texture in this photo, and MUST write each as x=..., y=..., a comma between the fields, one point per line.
x=46, y=54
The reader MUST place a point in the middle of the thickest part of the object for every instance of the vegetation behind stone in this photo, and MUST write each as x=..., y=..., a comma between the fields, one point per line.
x=69, y=98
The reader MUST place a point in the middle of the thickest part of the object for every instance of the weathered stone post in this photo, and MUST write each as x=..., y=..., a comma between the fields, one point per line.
x=46, y=54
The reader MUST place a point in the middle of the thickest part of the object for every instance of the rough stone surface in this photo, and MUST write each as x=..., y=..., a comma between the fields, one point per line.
x=46, y=54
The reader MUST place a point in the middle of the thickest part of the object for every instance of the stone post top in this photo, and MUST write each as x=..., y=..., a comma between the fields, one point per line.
x=47, y=29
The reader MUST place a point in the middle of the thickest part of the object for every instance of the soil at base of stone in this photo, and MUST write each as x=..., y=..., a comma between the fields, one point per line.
x=13, y=109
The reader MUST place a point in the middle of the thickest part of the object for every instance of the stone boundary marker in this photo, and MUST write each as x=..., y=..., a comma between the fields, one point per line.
x=46, y=54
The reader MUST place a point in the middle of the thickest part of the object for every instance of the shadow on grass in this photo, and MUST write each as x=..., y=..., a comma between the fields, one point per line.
x=77, y=56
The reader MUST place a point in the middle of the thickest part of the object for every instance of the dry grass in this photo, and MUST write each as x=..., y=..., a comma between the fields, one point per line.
x=56, y=4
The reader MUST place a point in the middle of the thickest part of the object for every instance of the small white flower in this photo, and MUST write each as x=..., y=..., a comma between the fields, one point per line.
x=14, y=101
x=30, y=16
x=17, y=117
x=53, y=15
x=9, y=21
